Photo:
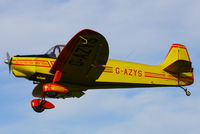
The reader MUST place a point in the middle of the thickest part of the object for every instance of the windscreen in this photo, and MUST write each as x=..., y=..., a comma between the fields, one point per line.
x=55, y=51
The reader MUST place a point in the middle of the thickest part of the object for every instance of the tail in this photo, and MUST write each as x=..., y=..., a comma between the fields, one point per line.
x=178, y=63
x=177, y=60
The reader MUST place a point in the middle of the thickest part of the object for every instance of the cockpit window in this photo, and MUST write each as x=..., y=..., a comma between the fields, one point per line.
x=55, y=51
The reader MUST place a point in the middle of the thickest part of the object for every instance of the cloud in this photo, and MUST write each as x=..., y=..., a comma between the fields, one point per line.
x=139, y=31
x=37, y=28
x=153, y=111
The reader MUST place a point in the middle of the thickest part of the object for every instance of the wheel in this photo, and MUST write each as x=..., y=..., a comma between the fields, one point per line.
x=188, y=93
x=38, y=109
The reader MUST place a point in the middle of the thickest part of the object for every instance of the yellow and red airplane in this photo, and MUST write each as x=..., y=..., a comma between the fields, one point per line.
x=82, y=64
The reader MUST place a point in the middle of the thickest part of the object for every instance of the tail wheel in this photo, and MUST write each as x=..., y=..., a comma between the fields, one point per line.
x=187, y=93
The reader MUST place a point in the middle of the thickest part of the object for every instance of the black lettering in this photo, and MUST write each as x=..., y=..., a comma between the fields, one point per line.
x=76, y=62
x=93, y=40
x=83, y=51
x=86, y=45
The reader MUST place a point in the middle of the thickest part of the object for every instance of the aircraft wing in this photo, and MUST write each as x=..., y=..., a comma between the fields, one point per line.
x=82, y=60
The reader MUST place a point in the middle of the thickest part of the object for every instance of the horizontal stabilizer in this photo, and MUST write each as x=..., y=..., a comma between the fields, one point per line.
x=179, y=66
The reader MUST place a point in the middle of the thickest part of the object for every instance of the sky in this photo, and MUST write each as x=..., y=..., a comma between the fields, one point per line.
x=137, y=30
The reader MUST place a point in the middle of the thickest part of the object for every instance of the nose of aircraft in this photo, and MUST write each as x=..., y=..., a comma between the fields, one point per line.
x=8, y=61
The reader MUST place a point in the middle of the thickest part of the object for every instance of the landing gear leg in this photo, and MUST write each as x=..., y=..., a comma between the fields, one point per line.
x=40, y=105
x=187, y=92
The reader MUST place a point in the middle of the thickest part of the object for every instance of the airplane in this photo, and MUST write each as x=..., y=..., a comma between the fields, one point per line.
x=69, y=70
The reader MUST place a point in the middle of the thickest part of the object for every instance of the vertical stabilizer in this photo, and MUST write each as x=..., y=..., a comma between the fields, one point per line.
x=177, y=60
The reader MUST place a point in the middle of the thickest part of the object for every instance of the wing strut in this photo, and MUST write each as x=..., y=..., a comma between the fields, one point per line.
x=57, y=76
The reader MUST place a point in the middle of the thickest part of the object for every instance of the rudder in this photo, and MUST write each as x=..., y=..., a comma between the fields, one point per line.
x=177, y=60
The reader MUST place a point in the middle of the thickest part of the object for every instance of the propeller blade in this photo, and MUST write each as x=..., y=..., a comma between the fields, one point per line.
x=8, y=55
x=8, y=61
x=9, y=67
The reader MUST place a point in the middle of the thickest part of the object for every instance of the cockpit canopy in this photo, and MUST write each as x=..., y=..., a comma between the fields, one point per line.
x=51, y=53
x=55, y=51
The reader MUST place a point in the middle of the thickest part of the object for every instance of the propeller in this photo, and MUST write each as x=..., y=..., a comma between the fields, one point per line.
x=8, y=61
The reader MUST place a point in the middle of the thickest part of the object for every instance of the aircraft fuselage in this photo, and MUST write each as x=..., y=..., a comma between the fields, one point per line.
x=117, y=74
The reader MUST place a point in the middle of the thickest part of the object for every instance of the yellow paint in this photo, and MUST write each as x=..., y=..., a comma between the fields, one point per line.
x=28, y=66
x=116, y=72
x=128, y=72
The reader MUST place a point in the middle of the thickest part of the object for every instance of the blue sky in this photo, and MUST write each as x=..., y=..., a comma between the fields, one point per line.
x=139, y=31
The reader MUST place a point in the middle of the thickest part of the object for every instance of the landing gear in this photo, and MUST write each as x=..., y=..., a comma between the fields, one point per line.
x=51, y=94
x=39, y=105
x=38, y=109
x=187, y=92
x=50, y=90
